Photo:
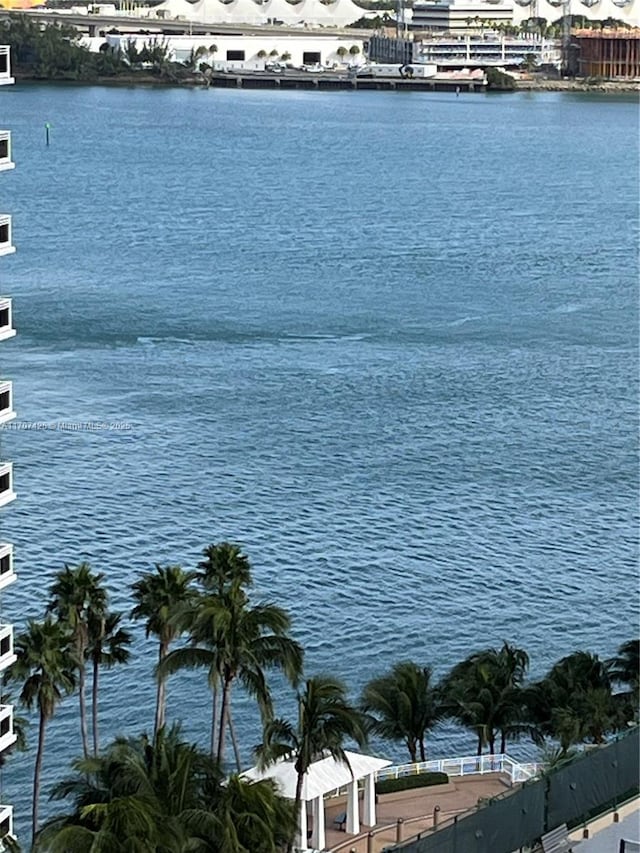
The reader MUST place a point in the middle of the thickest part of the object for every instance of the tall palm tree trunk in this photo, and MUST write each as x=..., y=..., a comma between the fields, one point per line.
x=214, y=714
x=411, y=746
x=224, y=714
x=82, y=683
x=161, y=693
x=94, y=705
x=36, y=777
x=296, y=811
x=234, y=741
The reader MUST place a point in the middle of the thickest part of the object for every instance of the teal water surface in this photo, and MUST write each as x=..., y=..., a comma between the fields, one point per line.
x=388, y=342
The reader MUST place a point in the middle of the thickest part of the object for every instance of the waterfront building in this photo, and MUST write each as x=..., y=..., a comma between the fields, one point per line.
x=249, y=52
x=7, y=576
x=489, y=49
x=614, y=54
x=449, y=52
x=459, y=16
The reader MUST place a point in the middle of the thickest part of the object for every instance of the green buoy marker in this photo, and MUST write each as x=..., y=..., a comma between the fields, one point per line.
x=47, y=127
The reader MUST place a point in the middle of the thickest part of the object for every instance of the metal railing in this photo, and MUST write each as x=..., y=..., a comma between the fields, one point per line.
x=465, y=766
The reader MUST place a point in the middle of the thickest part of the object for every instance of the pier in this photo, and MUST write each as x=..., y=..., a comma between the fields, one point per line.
x=329, y=81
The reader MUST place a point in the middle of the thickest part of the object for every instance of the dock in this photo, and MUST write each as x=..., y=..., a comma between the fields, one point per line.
x=329, y=81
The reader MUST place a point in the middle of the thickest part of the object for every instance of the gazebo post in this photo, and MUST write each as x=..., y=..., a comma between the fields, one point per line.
x=302, y=826
x=318, y=838
x=369, y=812
x=353, y=815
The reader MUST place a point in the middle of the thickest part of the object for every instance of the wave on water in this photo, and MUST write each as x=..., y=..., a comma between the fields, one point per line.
x=152, y=341
x=571, y=308
x=322, y=338
x=463, y=320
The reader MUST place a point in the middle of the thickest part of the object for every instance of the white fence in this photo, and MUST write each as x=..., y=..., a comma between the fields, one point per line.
x=467, y=766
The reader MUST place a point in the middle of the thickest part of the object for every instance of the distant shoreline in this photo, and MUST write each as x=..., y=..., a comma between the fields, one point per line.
x=145, y=80
x=607, y=87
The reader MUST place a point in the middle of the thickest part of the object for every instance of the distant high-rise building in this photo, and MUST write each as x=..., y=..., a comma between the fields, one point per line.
x=7, y=576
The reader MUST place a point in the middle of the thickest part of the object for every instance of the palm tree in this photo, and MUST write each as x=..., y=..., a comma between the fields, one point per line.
x=45, y=666
x=224, y=569
x=163, y=598
x=403, y=705
x=354, y=50
x=77, y=595
x=224, y=565
x=574, y=703
x=163, y=794
x=235, y=641
x=108, y=644
x=325, y=720
x=342, y=51
x=485, y=694
x=624, y=668
x=251, y=817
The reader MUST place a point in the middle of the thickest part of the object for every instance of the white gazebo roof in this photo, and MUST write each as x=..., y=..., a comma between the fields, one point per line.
x=324, y=775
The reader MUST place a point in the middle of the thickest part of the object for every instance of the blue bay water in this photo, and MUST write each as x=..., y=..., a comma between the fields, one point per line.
x=387, y=342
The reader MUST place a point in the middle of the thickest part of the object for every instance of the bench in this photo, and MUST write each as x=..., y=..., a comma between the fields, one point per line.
x=558, y=841
x=340, y=821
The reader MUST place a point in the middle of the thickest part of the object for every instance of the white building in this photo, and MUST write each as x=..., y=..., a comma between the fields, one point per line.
x=458, y=16
x=487, y=50
x=7, y=576
x=251, y=51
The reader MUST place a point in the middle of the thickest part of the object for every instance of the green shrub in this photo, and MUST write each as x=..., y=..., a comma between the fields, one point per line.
x=498, y=81
x=405, y=783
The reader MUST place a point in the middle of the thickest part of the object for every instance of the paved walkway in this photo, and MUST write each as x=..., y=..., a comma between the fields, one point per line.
x=416, y=808
x=607, y=840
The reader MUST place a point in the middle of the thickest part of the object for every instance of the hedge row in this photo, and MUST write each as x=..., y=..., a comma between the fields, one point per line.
x=405, y=783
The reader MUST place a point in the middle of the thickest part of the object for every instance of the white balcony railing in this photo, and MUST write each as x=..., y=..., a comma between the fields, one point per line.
x=7, y=735
x=467, y=766
x=7, y=655
x=6, y=483
x=5, y=66
x=6, y=319
x=6, y=244
x=7, y=571
x=5, y=151
x=6, y=824
x=6, y=402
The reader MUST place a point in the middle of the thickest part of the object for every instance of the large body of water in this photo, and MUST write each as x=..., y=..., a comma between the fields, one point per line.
x=388, y=342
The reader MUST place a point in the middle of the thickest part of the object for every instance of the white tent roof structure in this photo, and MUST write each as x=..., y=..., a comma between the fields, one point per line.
x=346, y=12
x=339, y=13
x=281, y=10
x=323, y=776
x=174, y=9
x=236, y=12
x=314, y=12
